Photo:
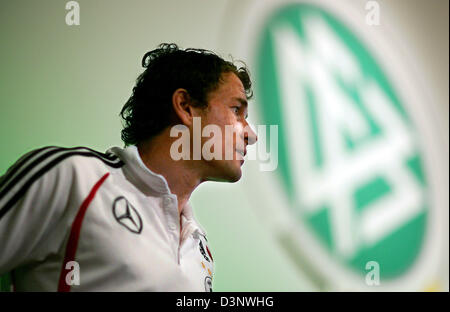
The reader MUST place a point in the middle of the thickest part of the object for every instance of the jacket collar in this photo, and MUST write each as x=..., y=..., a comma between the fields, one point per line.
x=139, y=173
x=147, y=181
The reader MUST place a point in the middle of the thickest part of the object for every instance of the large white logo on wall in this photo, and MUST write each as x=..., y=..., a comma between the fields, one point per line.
x=354, y=183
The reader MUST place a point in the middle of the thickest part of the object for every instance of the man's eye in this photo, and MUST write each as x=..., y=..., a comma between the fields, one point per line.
x=235, y=109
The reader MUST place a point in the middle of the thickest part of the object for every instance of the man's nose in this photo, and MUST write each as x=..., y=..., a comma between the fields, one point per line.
x=250, y=136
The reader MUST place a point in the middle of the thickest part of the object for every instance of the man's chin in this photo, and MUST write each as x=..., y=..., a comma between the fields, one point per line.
x=230, y=176
x=235, y=178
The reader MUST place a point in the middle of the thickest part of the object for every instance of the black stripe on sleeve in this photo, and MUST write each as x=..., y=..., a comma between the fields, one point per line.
x=9, y=182
x=37, y=175
x=19, y=164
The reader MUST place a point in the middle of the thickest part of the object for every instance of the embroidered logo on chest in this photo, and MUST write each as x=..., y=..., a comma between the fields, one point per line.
x=126, y=215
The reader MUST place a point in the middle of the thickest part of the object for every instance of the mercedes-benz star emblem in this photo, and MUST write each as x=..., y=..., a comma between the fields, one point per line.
x=126, y=215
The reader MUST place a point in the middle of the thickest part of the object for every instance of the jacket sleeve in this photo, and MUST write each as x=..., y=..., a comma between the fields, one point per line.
x=33, y=197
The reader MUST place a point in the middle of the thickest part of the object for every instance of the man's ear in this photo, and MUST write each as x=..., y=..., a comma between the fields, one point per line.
x=182, y=105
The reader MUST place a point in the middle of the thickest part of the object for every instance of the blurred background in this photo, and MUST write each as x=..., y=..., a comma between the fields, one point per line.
x=359, y=92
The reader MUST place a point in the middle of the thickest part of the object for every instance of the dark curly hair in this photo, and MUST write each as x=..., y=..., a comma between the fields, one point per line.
x=149, y=109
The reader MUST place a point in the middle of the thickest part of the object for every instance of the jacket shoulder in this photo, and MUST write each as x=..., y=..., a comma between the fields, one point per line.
x=51, y=157
x=49, y=166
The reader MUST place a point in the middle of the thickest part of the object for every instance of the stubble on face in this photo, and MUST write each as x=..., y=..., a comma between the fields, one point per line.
x=226, y=109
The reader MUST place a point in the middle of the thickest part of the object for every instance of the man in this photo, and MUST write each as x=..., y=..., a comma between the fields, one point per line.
x=73, y=219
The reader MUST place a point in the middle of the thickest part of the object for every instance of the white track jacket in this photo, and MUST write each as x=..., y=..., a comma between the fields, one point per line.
x=73, y=219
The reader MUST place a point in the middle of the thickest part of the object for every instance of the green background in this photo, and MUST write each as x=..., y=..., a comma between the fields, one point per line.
x=65, y=85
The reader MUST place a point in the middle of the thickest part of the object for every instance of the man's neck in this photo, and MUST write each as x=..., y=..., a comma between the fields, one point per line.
x=182, y=179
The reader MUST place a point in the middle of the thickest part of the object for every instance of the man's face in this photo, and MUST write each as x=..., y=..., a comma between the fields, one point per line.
x=227, y=108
